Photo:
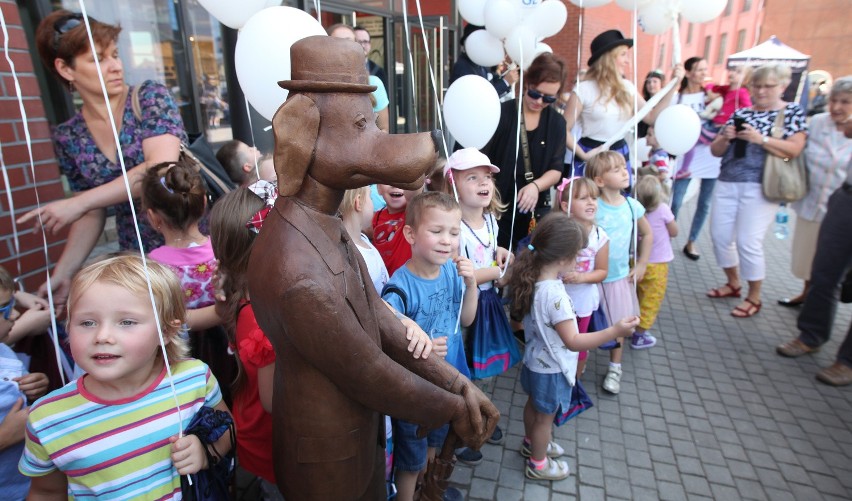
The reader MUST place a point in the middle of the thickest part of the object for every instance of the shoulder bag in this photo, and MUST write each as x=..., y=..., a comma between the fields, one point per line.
x=199, y=154
x=784, y=179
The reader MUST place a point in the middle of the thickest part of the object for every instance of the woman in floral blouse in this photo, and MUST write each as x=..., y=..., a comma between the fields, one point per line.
x=85, y=145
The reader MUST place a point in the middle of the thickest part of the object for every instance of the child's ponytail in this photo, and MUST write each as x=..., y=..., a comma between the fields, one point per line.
x=555, y=238
x=176, y=191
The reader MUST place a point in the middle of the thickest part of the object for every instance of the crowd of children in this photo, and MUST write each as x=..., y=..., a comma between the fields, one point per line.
x=433, y=256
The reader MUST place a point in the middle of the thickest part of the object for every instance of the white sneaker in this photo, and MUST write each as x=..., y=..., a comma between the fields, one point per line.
x=612, y=381
x=555, y=470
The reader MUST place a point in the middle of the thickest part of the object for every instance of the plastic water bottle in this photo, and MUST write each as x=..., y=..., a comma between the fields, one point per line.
x=781, y=229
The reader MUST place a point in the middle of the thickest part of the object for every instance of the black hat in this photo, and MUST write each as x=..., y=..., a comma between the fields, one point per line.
x=607, y=41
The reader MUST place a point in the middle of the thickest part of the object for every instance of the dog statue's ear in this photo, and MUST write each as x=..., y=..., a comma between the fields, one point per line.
x=296, y=126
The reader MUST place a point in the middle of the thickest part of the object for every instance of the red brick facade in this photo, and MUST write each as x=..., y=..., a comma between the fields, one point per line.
x=16, y=157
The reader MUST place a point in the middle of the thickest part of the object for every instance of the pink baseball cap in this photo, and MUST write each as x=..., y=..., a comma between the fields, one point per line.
x=469, y=158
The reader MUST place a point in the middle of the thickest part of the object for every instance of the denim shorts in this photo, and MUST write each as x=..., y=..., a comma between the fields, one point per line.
x=546, y=391
x=409, y=451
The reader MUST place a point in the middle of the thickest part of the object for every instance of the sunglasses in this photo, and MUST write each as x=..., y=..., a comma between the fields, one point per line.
x=63, y=26
x=7, y=308
x=536, y=95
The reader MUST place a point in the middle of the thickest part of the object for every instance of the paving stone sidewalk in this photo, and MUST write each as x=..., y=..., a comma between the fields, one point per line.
x=711, y=412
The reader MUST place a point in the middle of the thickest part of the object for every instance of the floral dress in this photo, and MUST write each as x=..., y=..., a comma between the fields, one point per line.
x=87, y=167
x=194, y=267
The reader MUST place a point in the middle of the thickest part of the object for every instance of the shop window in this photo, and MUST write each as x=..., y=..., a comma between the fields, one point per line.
x=746, y=5
x=729, y=7
x=708, y=43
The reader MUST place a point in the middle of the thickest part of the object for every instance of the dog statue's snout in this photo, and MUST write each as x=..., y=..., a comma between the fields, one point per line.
x=438, y=141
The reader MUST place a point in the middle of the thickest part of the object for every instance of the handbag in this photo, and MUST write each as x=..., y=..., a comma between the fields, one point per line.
x=784, y=179
x=580, y=401
x=212, y=484
x=491, y=342
x=199, y=154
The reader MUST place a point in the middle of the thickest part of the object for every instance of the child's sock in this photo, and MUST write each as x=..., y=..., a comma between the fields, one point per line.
x=538, y=465
x=615, y=365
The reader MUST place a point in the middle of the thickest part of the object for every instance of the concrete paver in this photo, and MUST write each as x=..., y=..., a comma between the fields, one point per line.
x=711, y=412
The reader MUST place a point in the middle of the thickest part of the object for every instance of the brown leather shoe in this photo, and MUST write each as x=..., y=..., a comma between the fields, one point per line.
x=836, y=375
x=795, y=348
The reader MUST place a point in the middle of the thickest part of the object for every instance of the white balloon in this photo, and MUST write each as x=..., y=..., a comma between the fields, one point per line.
x=677, y=128
x=548, y=18
x=590, y=3
x=520, y=45
x=656, y=18
x=233, y=14
x=473, y=11
x=471, y=110
x=541, y=48
x=483, y=49
x=703, y=11
x=262, y=54
x=632, y=4
x=501, y=17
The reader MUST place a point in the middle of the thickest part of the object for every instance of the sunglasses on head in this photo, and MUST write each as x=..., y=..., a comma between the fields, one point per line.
x=63, y=25
x=6, y=309
x=534, y=94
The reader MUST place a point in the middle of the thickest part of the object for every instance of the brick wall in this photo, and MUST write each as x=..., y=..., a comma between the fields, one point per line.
x=23, y=184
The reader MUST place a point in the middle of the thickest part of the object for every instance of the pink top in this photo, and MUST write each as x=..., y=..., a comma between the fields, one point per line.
x=661, y=249
x=732, y=100
x=194, y=267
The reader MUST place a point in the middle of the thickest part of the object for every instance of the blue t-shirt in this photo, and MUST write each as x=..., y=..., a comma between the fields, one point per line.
x=433, y=305
x=13, y=485
x=617, y=222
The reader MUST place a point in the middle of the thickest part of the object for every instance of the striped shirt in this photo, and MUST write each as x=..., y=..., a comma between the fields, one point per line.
x=116, y=449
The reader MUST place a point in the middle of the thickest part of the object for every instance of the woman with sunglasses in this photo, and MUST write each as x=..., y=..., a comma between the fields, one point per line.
x=603, y=101
x=85, y=146
x=544, y=135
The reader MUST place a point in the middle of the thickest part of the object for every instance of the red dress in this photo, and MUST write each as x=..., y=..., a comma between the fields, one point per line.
x=253, y=423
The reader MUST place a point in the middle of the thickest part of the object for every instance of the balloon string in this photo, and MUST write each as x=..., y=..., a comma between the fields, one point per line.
x=28, y=139
x=520, y=106
x=120, y=156
x=632, y=153
x=576, y=85
x=432, y=78
x=253, y=140
x=410, y=66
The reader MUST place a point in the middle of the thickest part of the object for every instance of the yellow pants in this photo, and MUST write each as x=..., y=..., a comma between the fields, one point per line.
x=651, y=292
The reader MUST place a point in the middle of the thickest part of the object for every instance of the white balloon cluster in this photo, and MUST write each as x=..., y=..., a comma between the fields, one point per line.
x=513, y=27
x=657, y=16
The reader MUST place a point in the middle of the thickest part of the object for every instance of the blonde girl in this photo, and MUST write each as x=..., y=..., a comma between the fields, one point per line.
x=122, y=410
x=603, y=100
x=356, y=210
x=578, y=198
x=553, y=340
x=616, y=215
x=652, y=288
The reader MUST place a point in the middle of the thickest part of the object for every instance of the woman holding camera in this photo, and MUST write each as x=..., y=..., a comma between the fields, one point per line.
x=740, y=214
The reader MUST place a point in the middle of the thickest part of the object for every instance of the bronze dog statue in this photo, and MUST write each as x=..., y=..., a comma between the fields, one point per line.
x=342, y=357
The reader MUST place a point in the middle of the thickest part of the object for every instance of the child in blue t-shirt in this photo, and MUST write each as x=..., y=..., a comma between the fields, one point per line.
x=431, y=288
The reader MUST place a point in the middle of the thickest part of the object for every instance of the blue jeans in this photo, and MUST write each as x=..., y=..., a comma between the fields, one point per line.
x=705, y=194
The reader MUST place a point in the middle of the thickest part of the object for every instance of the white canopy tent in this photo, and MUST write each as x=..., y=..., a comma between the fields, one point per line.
x=774, y=51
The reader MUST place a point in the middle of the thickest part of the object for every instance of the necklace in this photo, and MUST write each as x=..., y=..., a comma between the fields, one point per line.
x=490, y=236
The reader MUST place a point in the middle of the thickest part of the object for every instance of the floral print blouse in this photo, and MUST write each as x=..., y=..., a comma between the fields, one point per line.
x=86, y=166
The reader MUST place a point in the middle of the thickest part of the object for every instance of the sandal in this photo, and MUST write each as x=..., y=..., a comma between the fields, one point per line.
x=795, y=348
x=836, y=375
x=749, y=311
x=717, y=292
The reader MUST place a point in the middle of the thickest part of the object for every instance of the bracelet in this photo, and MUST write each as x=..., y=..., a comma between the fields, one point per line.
x=536, y=185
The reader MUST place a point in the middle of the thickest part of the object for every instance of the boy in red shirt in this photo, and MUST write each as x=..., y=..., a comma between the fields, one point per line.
x=387, y=227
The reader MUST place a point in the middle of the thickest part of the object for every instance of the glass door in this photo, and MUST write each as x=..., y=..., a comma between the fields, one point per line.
x=419, y=103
